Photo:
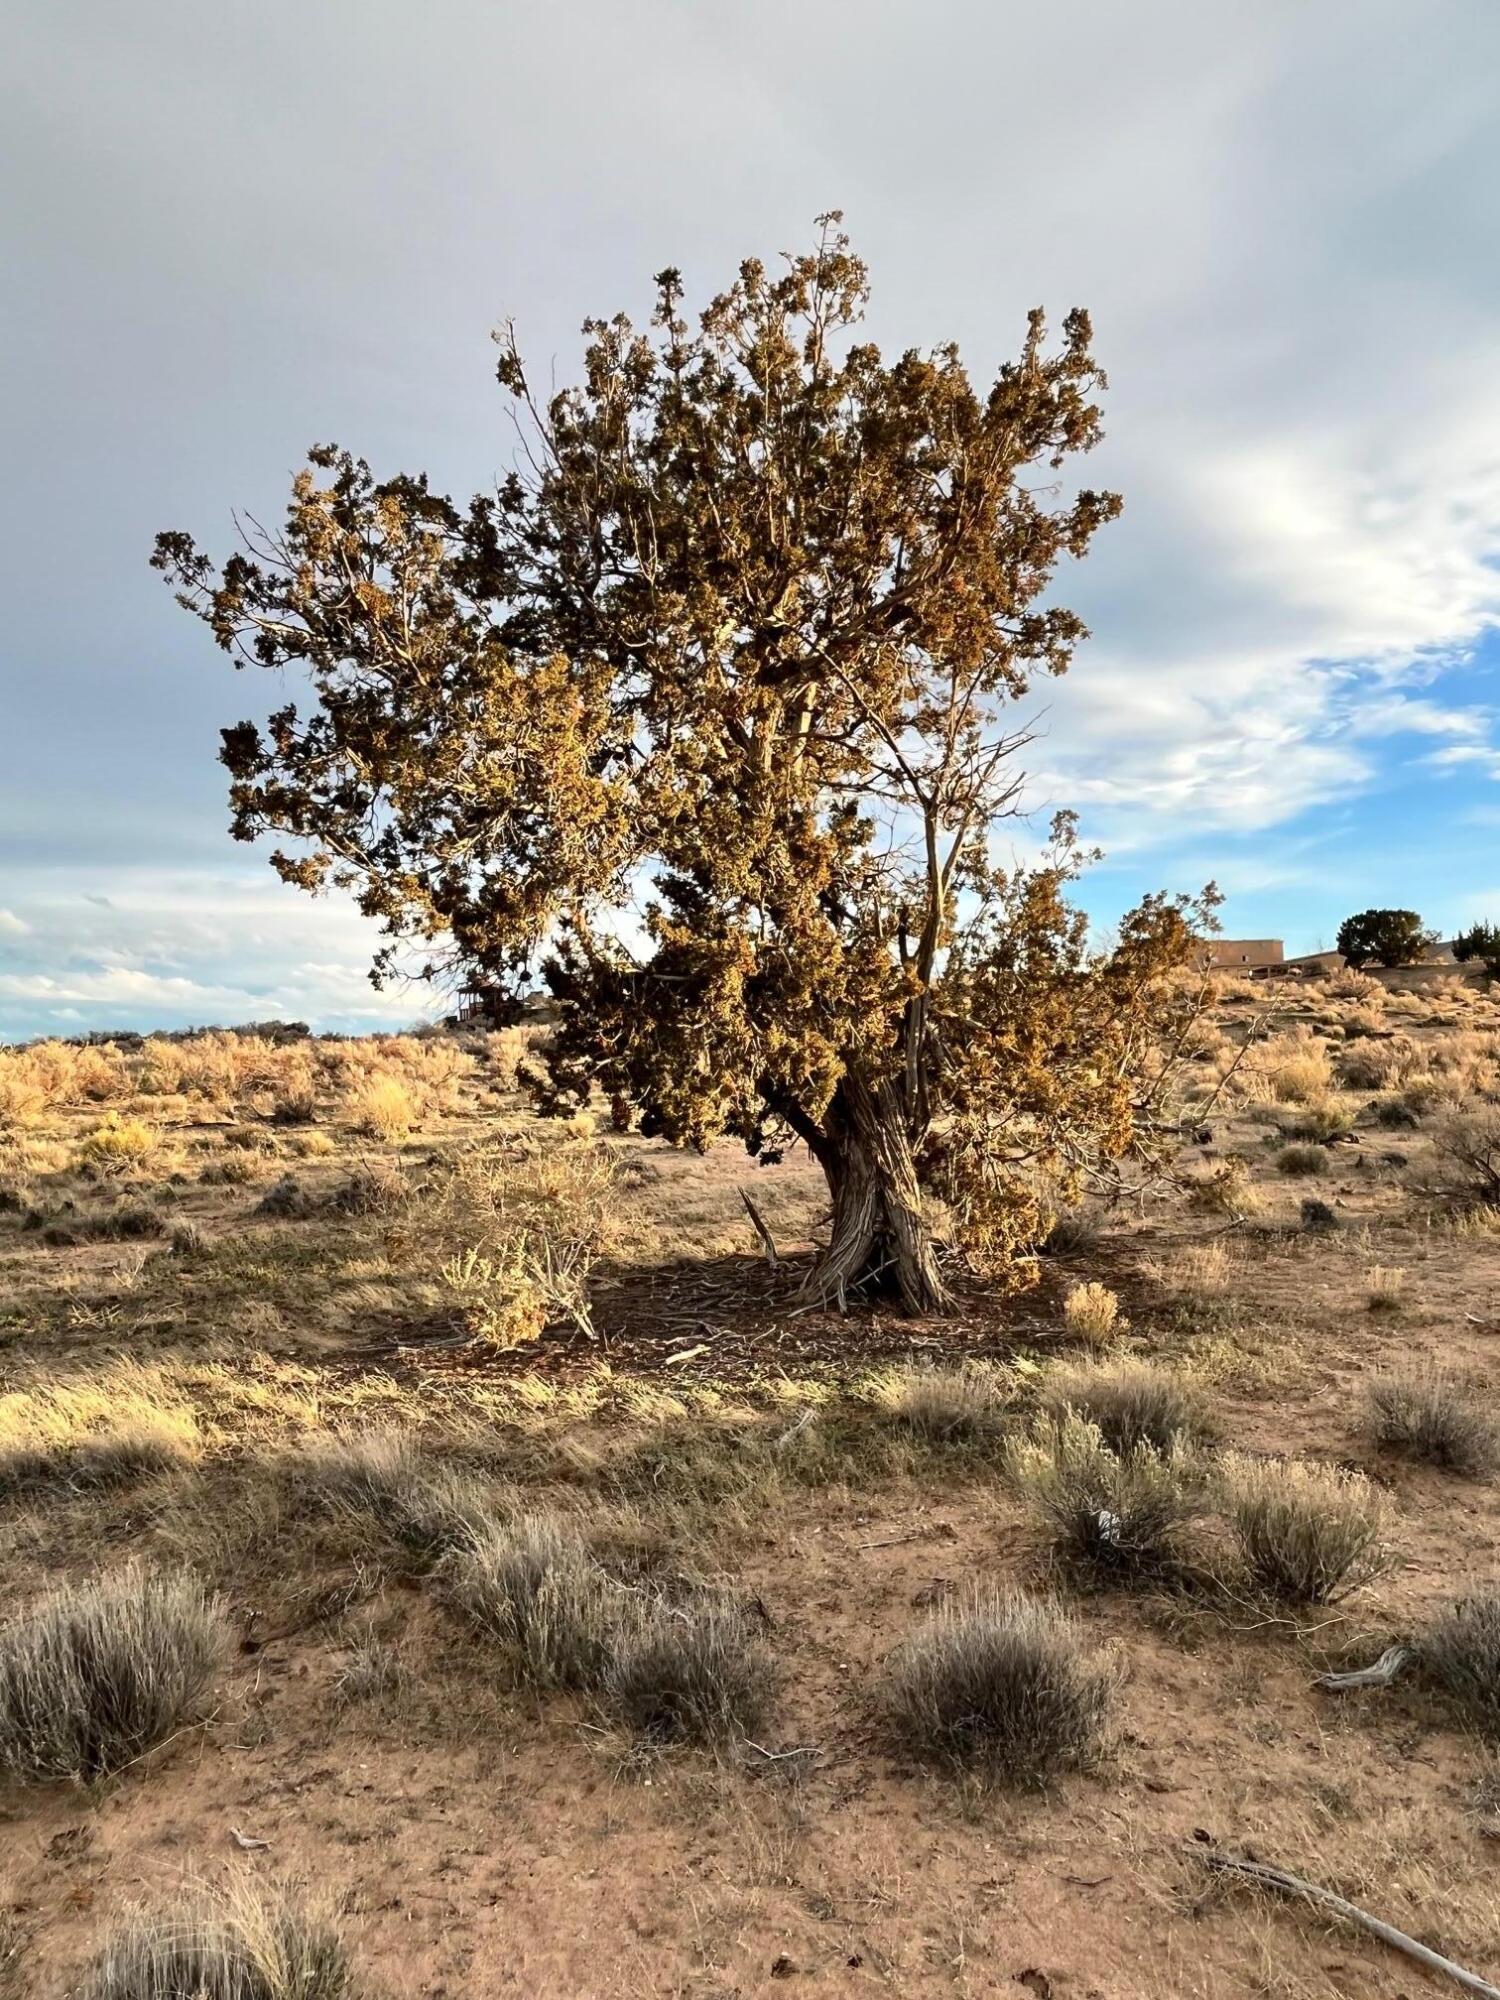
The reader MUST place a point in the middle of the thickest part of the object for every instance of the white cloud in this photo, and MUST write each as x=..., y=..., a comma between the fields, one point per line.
x=11, y=925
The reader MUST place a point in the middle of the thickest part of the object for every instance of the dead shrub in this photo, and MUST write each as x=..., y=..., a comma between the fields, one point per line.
x=119, y=1144
x=1461, y=1650
x=1468, y=1148
x=1308, y=1533
x=693, y=1674
x=383, y=1107
x=1001, y=1685
x=535, y=1588
x=1302, y=1160
x=1226, y=1189
x=1117, y=1511
x=1435, y=1417
x=1092, y=1315
x=1385, y=1287
x=376, y=1187
x=251, y=1944
x=524, y=1232
x=1131, y=1403
x=944, y=1405
x=98, y=1673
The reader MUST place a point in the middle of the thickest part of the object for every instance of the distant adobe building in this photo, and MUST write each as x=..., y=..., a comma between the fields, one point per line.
x=1250, y=955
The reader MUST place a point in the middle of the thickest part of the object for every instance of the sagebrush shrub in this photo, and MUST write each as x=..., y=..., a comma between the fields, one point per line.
x=96, y=1674
x=1131, y=1402
x=1307, y=1533
x=693, y=1674
x=1001, y=1684
x=1432, y=1415
x=1118, y=1510
x=1461, y=1650
x=535, y=1588
x=1302, y=1160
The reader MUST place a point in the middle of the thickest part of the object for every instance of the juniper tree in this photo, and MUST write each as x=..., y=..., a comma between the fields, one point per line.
x=706, y=711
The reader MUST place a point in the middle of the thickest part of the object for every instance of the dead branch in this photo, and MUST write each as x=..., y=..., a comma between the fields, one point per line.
x=762, y=1228
x=1380, y=1674
x=1295, y=1885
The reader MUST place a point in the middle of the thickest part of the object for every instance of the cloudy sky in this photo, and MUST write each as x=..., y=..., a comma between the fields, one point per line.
x=235, y=227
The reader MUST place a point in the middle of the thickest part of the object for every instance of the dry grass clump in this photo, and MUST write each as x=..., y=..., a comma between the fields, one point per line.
x=944, y=1405
x=119, y=1143
x=1296, y=1066
x=111, y=1430
x=1114, y=1510
x=1131, y=1403
x=1302, y=1160
x=1433, y=1416
x=1323, y=1119
x=1350, y=984
x=1002, y=1685
x=382, y=1107
x=695, y=1674
x=1307, y=1533
x=253, y=1944
x=535, y=1588
x=1461, y=1650
x=1378, y=1065
x=524, y=1231
x=1196, y=1271
x=426, y=1507
x=98, y=1673
x=1385, y=1287
x=1092, y=1315
x=1226, y=1189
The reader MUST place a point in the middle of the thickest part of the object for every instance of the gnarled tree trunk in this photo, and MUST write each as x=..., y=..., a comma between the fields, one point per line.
x=881, y=1245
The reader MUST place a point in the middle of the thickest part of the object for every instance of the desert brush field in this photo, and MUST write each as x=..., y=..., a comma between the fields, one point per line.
x=444, y=1555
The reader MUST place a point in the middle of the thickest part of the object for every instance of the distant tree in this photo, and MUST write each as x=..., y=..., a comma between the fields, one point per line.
x=704, y=711
x=1481, y=942
x=1384, y=937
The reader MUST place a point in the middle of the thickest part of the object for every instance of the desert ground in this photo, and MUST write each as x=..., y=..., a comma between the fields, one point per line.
x=541, y=1590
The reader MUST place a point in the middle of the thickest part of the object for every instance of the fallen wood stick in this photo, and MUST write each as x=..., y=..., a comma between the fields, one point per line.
x=762, y=1228
x=1294, y=1885
x=1393, y=1661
